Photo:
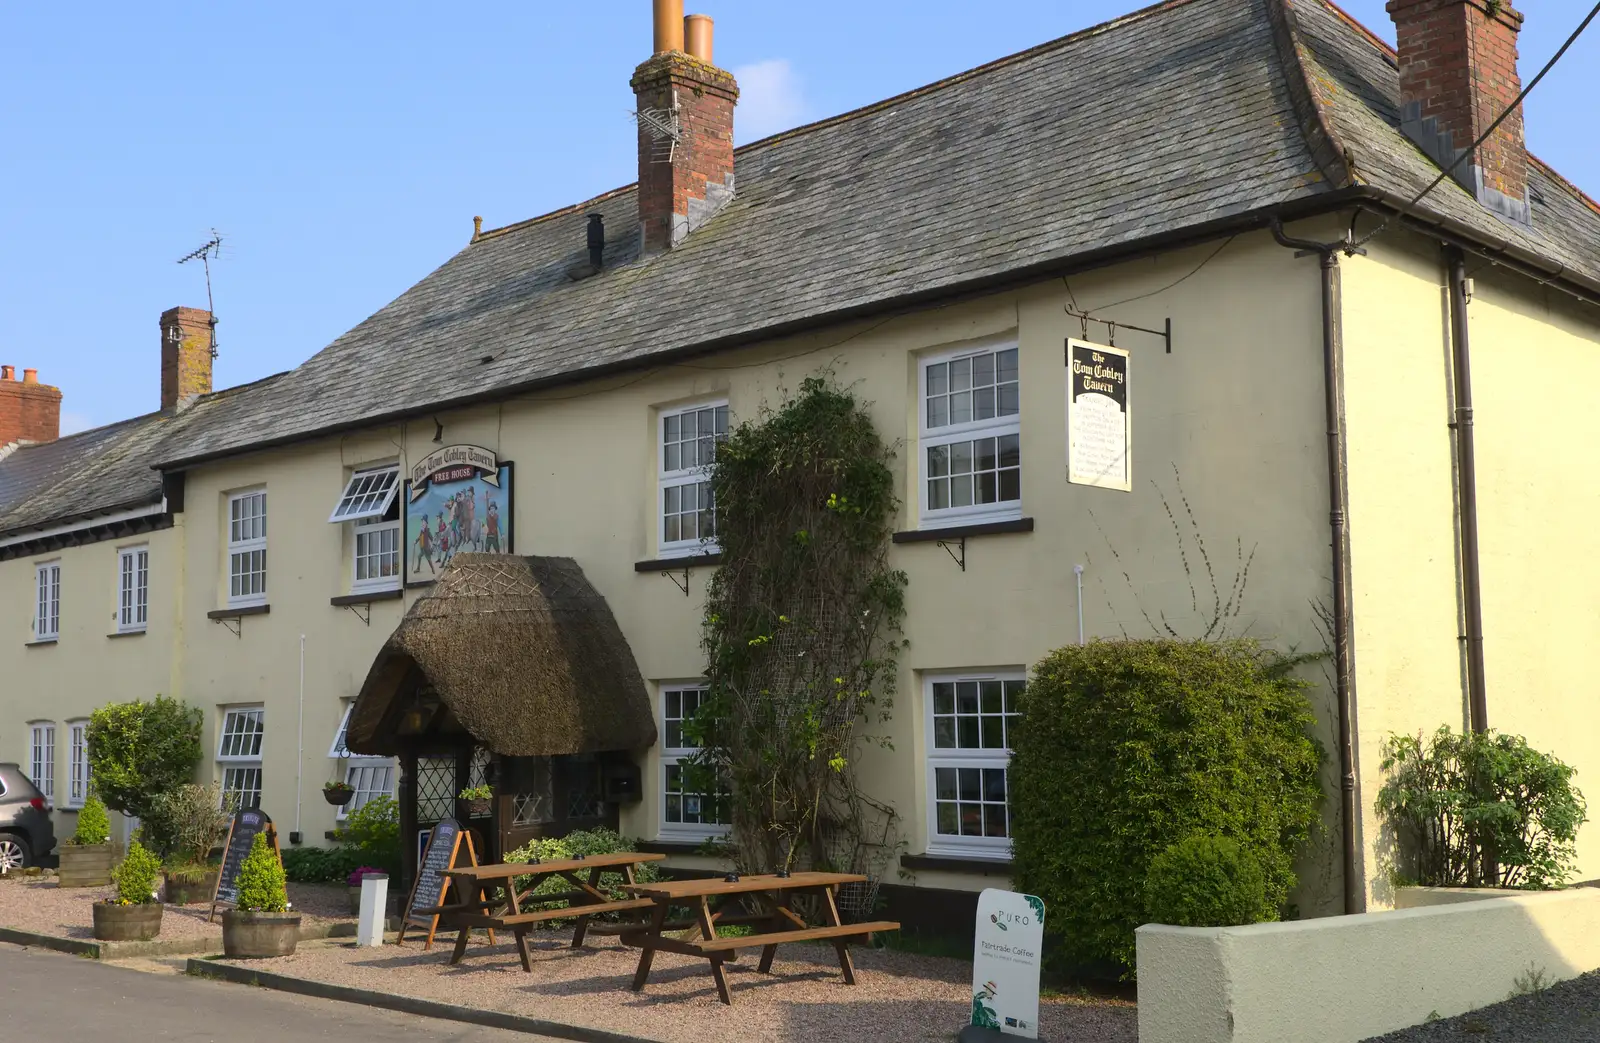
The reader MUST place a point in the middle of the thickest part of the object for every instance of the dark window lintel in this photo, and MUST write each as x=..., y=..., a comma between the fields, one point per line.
x=957, y=532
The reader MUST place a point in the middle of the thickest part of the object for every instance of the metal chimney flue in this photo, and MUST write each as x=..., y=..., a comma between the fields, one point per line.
x=597, y=239
x=668, y=25
x=697, y=37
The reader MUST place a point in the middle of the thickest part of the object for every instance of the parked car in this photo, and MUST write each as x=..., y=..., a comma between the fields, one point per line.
x=26, y=834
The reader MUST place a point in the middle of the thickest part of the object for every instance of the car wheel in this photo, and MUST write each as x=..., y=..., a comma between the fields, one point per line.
x=14, y=853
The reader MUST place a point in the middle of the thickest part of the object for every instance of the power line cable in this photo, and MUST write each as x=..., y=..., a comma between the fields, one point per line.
x=1470, y=149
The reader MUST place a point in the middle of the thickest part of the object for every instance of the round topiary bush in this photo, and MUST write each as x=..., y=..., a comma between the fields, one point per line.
x=136, y=876
x=261, y=880
x=94, y=825
x=1206, y=882
x=1127, y=747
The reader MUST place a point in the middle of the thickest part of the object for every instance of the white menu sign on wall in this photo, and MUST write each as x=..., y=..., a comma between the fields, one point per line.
x=1099, y=426
x=1005, y=962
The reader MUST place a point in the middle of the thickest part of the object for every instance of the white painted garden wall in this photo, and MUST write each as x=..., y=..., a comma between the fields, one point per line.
x=1342, y=979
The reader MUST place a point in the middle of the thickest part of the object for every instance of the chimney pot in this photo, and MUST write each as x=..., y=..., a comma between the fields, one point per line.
x=697, y=37
x=668, y=25
x=29, y=411
x=30, y=376
x=8, y=373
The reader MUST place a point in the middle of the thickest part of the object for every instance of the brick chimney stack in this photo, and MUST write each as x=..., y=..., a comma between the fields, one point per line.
x=29, y=411
x=185, y=355
x=682, y=183
x=1458, y=72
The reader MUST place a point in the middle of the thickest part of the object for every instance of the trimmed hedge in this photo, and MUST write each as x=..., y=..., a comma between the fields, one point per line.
x=1125, y=748
x=321, y=865
x=1206, y=882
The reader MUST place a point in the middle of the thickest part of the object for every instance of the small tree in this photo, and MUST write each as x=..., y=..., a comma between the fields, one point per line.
x=140, y=750
x=1479, y=810
x=190, y=820
x=94, y=826
x=261, y=881
x=135, y=876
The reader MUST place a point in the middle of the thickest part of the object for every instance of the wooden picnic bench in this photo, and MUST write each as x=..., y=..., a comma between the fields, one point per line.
x=477, y=908
x=782, y=923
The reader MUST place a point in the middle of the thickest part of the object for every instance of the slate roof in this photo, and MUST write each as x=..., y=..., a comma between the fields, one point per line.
x=96, y=472
x=1179, y=120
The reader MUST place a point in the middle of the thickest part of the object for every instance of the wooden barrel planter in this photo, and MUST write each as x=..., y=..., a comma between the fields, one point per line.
x=85, y=865
x=189, y=892
x=127, y=923
x=259, y=935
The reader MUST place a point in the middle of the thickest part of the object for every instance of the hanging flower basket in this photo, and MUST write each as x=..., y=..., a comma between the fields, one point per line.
x=338, y=794
x=478, y=808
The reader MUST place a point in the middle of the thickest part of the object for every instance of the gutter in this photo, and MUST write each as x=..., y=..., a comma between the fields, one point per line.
x=1467, y=490
x=1343, y=659
x=30, y=535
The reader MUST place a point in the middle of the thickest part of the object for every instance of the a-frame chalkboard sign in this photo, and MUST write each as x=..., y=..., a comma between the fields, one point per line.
x=428, y=893
x=247, y=822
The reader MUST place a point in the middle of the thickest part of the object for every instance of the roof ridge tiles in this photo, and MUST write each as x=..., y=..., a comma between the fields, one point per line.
x=1315, y=125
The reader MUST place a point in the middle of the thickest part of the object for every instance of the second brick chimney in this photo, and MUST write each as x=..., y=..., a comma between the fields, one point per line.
x=685, y=130
x=185, y=355
x=29, y=411
x=1458, y=72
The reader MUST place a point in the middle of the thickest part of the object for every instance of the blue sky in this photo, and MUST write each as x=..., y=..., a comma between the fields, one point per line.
x=342, y=149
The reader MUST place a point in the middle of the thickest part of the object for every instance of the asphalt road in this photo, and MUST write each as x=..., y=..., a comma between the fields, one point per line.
x=48, y=996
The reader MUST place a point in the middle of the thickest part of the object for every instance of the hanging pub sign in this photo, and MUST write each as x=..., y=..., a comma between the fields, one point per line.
x=457, y=499
x=1005, y=962
x=1099, y=425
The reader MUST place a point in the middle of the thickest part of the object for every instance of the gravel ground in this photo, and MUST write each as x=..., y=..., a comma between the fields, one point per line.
x=1566, y=1012
x=43, y=908
x=898, y=996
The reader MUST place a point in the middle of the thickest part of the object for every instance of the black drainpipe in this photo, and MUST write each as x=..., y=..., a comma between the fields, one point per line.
x=1344, y=681
x=1467, y=490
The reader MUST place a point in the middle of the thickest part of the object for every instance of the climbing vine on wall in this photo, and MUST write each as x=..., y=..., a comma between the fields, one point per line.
x=801, y=631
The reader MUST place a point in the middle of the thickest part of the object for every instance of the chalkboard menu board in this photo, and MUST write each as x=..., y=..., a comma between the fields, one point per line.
x=247, y=823
x=429, y=891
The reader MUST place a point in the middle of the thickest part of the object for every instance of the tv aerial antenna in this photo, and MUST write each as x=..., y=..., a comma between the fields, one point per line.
x=665, y=132
x=204, y=253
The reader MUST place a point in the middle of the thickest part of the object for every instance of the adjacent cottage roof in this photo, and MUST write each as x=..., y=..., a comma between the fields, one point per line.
x=1187, y=118
x=523, y=652
x=95, y=473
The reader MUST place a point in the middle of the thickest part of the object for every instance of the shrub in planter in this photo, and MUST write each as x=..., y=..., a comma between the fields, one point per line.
x=1125, y=748
x=1205, y=881
x=260, y=923
x=188, y=883
x=134, y=914
x=192, y=820
x=1479, y=810
x=86, y=857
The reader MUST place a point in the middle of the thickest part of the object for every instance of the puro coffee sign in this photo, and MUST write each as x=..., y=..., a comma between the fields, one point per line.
x=1005, y=962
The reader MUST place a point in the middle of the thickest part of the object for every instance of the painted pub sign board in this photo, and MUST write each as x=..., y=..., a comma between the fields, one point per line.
x=457, y=499
x=1005, y=962
x=1099, y=424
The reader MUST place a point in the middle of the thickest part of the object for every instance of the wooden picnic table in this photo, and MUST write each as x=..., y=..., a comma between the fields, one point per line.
x=478, y=908
x=782, y=922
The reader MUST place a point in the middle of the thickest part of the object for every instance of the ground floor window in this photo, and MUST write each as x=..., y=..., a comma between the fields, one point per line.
x=369, y=777
x=78, y=764
x=42, y=757
x=686, y=810
x=239, y=746
x=969, y=717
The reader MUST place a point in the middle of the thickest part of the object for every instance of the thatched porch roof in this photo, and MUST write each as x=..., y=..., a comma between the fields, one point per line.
x=522, y=653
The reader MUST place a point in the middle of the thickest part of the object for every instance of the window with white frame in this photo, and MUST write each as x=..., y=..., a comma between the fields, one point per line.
x=77, y=763
x=970, y=438
x=370, y=504
x=369, y=777
x=689, y=440
x=970, y=717
x=247, y=548
x=239, y=754
x=42, y=757
x=47, y=601
x=133, y=589
x=685, y=811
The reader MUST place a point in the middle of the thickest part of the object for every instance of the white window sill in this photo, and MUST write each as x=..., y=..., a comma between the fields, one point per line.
x=952, y=519
x=128, y=631
x=688, y=550
x=386, y=587
x=978, y=851
x=682, y=836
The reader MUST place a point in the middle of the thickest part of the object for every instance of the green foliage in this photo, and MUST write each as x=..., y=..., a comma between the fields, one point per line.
x=139, y=750
x=94, y=825
x=261, y=880
x=801, y=628
x=186, y=822
x=135, y=876
x=585, y=842
x=1204, y=881
x=371, y=835
x=480, y=792
x=1479, y=810
x=189, y=872
x=1125, y=748
x=321, y=865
